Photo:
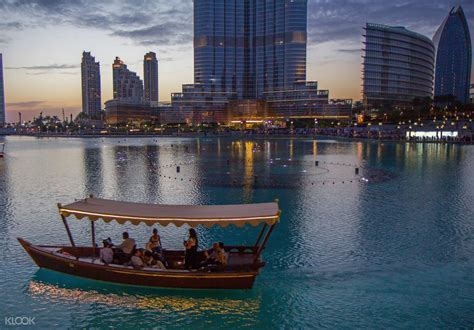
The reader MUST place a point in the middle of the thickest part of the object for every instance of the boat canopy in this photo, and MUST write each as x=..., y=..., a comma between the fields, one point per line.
x=192, y=215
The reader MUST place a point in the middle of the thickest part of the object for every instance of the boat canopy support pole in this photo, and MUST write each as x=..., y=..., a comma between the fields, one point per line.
x=93, y=239
x=260, y=236
x=67, y=228
x=260, y=249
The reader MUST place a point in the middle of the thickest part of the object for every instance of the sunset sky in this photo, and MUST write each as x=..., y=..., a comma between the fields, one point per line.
x=42, y=43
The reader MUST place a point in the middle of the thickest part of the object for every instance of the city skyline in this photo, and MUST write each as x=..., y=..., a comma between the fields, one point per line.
x=50, y=81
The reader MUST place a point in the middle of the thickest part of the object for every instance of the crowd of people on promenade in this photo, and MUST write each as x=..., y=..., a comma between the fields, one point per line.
x=152, y=255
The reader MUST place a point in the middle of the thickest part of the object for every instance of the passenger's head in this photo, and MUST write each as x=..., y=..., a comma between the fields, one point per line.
x=148, y=253
x=105, y=242
x=137, y=253
x=215, y=246
x=155, y=231
x=125, y=235
x=192, y=233
x=221, y=245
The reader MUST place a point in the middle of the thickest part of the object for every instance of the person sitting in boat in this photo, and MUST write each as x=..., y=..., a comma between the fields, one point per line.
x=106, y=253
x=215, y=257
x=154, y=244
x=151, y=261
x=137, y=259
x=124, y=250
x=191, y=245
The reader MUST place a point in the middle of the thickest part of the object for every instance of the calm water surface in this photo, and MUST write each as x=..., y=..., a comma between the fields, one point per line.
x=396, y=251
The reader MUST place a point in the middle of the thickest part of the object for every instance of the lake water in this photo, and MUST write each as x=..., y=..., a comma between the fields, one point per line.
x=391, y=247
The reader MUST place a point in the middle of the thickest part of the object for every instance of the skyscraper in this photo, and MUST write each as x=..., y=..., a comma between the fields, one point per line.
x=2, y=94
x=250, y=64
x=453, y=57
x=398, y=66
x=150, y=77
x=126, y=84
x=91, y=94
x=246, y=48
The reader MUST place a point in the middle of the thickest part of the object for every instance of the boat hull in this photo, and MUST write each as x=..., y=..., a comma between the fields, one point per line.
x=130, y=276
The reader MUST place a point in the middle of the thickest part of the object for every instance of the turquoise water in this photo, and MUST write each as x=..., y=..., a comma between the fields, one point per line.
x=392, y=247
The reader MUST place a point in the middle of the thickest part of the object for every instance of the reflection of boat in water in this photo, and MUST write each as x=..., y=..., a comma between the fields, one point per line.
x=244, y=262
x=53, y=287
x=2, y=149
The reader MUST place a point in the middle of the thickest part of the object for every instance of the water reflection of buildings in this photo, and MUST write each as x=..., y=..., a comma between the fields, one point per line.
x=418, y=216
x=5, y=200
x=93, y=170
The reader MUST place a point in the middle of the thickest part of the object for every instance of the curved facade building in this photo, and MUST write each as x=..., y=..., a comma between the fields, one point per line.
x=398, y=66
x=453, y=57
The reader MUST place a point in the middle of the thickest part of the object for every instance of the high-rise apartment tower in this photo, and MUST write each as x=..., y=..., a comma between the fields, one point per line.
x=150, y=77
x=91, y=93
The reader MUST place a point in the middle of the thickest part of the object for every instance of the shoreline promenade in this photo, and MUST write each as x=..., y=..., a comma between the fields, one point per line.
x=298, y=134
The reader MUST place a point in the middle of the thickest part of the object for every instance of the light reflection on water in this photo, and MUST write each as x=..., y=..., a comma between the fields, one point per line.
x=48, y=285
x=396, y=252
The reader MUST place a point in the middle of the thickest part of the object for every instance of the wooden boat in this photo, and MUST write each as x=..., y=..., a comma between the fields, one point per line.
x=244, y=262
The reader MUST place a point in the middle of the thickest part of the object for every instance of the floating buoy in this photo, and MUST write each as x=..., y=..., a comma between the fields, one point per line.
x=357, y=171
x=316, y=163
x=178, y=169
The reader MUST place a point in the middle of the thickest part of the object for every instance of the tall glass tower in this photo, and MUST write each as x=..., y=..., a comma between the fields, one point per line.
x=90, y=74
x=249, y=47
x=453, y=56
x=150, y=77
x=250, y=65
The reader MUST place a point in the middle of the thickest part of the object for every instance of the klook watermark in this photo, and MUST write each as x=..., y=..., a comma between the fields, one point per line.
x=19, y=321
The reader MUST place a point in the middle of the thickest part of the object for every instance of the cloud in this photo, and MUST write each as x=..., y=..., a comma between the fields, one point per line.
x=24, y=105
x=171, y=33
x=40, y=73
x=132, y=20
x=45, y=67
x=349, y=50
x=26, y=108
x=10, y=25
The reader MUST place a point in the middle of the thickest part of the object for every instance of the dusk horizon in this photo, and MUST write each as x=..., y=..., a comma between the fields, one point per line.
x=50, y=81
